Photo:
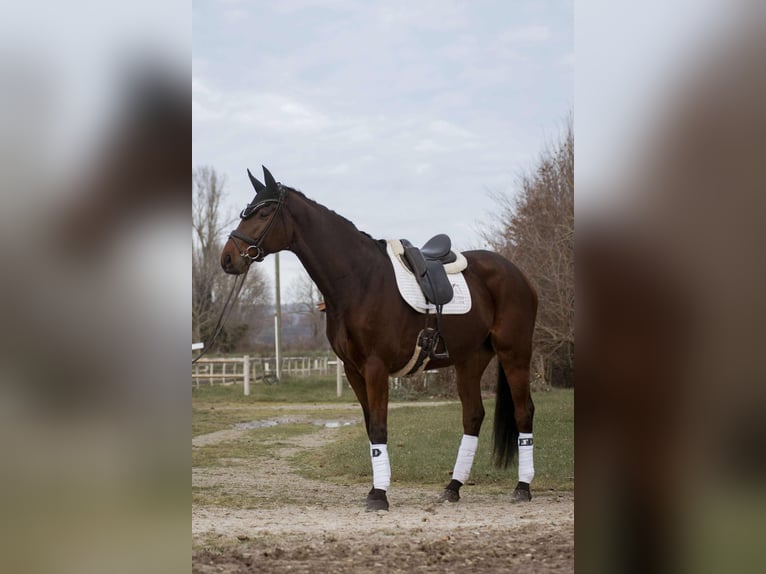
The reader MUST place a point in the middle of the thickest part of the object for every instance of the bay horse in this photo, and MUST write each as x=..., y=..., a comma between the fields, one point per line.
x=373, y=330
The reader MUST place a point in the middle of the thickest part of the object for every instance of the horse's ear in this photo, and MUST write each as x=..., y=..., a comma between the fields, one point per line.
x=259, y=187
x=269, y=179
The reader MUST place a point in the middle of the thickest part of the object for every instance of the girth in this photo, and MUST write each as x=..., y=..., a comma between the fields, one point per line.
x=425, y=350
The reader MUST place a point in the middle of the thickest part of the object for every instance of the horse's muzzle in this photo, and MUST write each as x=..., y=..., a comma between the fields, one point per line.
x=235, y=265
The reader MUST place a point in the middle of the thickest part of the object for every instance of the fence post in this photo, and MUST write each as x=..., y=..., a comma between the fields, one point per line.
x=277, y=342
x=246, y=368
x=339, y=376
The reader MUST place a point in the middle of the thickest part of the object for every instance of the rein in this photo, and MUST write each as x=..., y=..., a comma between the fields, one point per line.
x=231, y=301
x=258, y=256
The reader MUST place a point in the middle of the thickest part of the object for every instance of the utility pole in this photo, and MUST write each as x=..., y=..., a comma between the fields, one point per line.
x=278, y=319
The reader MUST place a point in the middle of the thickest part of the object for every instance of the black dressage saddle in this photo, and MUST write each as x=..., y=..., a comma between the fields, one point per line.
x=427, y=264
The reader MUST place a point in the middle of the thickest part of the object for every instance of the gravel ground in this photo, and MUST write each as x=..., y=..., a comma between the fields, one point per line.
x=302, y=525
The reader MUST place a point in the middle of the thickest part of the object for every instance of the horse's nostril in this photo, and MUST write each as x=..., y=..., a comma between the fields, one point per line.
x=227, y=259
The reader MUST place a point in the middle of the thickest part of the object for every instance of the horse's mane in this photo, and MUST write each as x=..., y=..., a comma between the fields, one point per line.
x=381, y=243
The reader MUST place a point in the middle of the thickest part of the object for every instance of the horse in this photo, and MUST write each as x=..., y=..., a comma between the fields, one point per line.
x=374, y=332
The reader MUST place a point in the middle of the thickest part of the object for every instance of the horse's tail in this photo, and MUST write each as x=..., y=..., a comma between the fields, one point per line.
x=506, y=434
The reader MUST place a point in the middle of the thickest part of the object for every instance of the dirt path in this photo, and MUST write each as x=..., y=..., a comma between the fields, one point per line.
x=301, y=525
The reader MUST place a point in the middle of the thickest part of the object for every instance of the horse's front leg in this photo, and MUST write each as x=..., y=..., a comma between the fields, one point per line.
x=356, y=380
x=376, y=384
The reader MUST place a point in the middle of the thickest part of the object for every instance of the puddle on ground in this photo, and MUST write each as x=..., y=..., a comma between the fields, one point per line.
x=264, y=424
x=333, y=424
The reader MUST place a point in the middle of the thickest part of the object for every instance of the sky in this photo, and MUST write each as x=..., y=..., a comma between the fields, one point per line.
x=401, y=116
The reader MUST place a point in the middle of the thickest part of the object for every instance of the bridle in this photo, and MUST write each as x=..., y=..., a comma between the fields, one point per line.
x=255, y=243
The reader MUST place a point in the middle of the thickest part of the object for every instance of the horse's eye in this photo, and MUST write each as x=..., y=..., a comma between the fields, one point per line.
x=264, y=214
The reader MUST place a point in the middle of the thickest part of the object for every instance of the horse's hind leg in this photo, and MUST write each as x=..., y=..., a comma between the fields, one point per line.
x=514, y=415
x=469, y=389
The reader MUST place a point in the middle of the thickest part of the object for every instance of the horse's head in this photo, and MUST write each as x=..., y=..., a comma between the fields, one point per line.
x=262, y=229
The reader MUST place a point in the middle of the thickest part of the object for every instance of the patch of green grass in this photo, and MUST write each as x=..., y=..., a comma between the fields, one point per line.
x=253, y=444
x=207, y=418
x=210, y=417
x=248, y=449
x=423, y=444
x=289, y=390
x=218, y=496
x=245, y=497
x=217, y=407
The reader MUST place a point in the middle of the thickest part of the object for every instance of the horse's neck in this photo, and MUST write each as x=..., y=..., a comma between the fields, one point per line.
x=334, y=252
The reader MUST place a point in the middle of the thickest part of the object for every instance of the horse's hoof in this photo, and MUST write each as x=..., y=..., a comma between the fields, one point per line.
x=377, y=500
x=451, y=491
x=449, y=495
x=521, y=496
x=521, y=493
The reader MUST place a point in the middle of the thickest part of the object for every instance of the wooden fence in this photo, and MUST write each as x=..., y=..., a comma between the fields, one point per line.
x=228, y=370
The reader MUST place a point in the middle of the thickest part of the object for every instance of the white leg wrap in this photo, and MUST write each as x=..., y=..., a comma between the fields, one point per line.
x=526, y=463
x=465, y=455
x=381, y=467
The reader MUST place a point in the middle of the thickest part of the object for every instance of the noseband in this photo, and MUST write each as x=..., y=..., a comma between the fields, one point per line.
x=254, y=251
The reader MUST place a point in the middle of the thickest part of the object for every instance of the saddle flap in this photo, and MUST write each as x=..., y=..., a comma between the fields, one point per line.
x=415, y=259
x=441, y=291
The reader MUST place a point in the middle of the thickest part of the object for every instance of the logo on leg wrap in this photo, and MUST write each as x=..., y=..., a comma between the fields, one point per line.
x=376, y=452
x=525, y=442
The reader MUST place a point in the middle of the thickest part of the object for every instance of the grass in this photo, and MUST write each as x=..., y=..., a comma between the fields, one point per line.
x=210, y=418
x=251, y=447
x=216, y=407
x=423, y=444
x=254, y=443
x=249, y=498
x=289, y=390
x=423, y=440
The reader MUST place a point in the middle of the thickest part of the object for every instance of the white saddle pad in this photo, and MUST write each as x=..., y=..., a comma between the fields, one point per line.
x=410, y=290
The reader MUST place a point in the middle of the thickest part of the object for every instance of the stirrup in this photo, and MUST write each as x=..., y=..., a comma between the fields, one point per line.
x=434, y=354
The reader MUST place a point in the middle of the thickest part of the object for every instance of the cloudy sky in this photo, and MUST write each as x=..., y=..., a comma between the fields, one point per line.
x=400, y=115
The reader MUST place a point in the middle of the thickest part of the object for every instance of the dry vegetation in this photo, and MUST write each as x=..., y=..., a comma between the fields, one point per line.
x=535, y=230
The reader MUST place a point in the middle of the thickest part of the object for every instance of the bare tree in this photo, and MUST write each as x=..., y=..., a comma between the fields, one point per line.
x=536, y=231
x=306, y=298
x=251, y=316
x=210, y=285
x=207, y=284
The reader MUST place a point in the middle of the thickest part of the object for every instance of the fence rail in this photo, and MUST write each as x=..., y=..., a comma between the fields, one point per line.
x=229, y=370
x=247, y=369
